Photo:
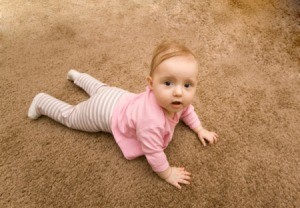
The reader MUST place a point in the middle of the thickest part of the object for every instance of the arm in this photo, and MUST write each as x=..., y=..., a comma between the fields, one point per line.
x=190, y=117
x=152, y=146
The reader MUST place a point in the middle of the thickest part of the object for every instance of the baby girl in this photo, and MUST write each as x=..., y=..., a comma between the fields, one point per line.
x=142, y=124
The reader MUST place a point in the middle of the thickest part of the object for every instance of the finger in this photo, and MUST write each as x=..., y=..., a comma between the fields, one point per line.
x=216, y=138
x=177, y=185
x=216, y=135
x=181, y=170
x=186, y=178
x=184, y=182
x=187, y=173
x=202, y=141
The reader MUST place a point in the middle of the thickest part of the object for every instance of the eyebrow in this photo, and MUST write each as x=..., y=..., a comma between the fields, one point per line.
x=194, y=81
x=167, y=77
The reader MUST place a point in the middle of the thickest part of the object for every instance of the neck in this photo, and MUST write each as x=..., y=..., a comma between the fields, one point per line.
x=169, y=115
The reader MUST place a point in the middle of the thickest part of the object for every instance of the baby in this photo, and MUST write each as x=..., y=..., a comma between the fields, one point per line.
x=142, y=124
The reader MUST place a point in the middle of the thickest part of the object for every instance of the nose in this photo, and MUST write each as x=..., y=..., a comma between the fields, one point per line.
x=177, y=91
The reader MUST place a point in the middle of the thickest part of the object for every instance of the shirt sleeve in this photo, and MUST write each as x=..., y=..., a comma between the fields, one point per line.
x=152, y=143
x=190, y=118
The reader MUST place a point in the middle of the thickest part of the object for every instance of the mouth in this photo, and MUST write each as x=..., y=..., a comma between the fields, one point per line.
x=176, y=104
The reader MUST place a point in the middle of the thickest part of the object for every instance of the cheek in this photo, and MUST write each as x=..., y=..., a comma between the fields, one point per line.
x=160, y=93
x=163, y=95
x=191, y=96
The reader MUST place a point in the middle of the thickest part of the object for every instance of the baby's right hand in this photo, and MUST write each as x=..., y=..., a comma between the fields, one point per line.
x=178, y=175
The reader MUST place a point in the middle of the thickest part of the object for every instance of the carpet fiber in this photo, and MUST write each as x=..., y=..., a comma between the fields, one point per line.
x=248, y=92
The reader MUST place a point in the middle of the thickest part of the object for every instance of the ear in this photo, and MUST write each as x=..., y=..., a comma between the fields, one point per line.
x=150, y=82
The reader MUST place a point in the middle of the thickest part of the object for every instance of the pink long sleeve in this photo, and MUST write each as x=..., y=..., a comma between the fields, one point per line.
x=153, y=145
x=190, y=118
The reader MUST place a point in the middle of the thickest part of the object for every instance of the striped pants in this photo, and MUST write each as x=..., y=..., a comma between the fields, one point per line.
x=92, y=115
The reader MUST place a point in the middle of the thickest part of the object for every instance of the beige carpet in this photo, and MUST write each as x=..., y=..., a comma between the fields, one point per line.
x=249, y=93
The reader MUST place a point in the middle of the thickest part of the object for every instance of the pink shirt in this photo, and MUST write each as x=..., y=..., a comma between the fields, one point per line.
x=140, y=127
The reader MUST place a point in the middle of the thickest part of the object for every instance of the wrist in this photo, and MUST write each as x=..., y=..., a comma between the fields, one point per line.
x=169, y=173
x=165, y=174
x=198, y=130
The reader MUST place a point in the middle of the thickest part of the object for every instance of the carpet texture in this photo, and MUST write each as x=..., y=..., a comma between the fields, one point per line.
x=249, y=93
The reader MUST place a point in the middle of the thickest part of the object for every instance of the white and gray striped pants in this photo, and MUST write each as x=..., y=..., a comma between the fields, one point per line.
x=92, y=115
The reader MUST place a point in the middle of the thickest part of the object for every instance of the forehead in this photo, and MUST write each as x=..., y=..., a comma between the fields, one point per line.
x=178, y=67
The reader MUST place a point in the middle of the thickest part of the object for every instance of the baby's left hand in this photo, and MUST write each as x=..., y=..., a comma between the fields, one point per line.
x=209, y=136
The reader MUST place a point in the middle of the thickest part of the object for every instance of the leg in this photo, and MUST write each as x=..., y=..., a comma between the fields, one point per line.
x=44, y=104
x=85, y=81
x=76, y=117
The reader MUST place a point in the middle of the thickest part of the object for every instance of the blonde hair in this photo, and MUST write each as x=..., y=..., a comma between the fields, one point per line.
x=166, y=50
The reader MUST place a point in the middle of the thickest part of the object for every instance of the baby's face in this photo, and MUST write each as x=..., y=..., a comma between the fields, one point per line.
x=174, y=83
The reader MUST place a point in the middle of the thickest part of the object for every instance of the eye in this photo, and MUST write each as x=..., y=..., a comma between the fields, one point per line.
x=168, y=83
x=187, y=85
